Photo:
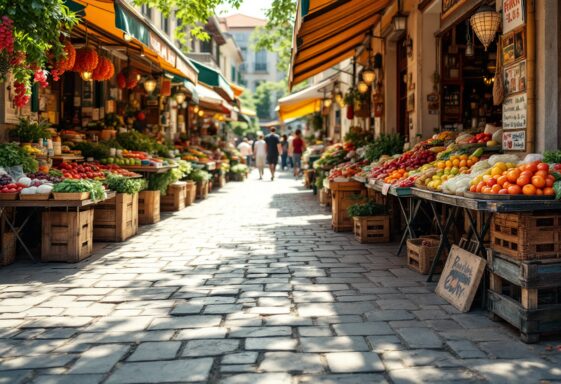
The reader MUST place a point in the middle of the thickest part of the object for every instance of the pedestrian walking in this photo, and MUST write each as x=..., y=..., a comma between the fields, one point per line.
x=298, y=147
x=245, y=150
x=284, y=154
x=290, y=149
x=273, y=151
x=260, y=154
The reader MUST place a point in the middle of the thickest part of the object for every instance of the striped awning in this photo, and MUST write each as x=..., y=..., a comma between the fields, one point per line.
x=327, y=32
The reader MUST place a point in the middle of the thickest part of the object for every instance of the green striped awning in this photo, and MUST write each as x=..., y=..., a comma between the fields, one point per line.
x=214, y=79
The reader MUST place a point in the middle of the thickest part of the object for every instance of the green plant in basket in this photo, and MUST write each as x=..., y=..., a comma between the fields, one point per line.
x=28, y=131
x=239, y=169
x=198, y=175
x=369, y=208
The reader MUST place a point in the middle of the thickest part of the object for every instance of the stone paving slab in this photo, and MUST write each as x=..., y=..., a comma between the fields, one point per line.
x=250, y=286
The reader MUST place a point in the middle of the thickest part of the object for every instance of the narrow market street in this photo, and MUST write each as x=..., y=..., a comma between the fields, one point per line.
x=251, y=286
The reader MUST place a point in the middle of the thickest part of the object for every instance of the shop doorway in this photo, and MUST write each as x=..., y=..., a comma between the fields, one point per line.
x=401, y=87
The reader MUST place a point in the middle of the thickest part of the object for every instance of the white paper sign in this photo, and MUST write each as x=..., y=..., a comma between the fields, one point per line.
x=514, y=111
x=513, y=14
x=514, y=141
x=385, y=188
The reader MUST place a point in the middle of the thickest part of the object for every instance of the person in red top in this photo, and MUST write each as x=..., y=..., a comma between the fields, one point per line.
x=298, y=147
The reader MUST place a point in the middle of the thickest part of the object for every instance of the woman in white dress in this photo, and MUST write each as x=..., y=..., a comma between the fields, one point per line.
x=260, y=153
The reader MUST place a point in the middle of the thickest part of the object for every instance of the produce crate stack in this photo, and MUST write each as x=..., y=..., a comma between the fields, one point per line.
x=202, y=189
x=148, y=207
x=191, y=193
x=116, y=219
x=324, y=197
x=526, y=294
x=372, y=229
x=343, y=195
x=67, y=236
x=174, y=200
x=525, y=236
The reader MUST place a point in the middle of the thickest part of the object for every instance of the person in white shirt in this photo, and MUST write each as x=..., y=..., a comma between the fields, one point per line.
x=260, y=154
x=245, y=150
x=290, y=149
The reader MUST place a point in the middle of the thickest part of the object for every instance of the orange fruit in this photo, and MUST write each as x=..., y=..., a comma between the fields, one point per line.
x=529, y=174
x=455, y=162
x=480, y=186
x=523, y=180
x=549, y=180
x=513, y=175
x=491, y=182
x=495, y=188
x=529, y=190
x=538, y=181
x=472, y=188
x=514, y=190
x=532, y=167
x=502, y=180
x=464, y=157
x=539, y=192
x=469, y=163
x=548, y=191
x=486, y=190
x=503, y=191
x=507, y=184
x=543, y=167
x=463, y=163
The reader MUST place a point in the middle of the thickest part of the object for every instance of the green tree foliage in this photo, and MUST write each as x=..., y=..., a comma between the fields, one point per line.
x=264, y=95
x=276, y=36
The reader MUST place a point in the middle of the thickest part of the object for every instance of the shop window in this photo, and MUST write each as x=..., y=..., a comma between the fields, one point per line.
x=206, y=46
x=233, y=73
x=164, y=22
x=146, y=11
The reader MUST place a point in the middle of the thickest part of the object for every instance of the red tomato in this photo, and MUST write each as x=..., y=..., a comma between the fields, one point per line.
x=543, y=167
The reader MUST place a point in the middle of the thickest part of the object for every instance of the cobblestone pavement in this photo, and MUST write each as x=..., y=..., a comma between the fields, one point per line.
x=251, y=286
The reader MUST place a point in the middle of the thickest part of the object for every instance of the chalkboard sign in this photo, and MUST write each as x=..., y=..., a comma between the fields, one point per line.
x=460, y=278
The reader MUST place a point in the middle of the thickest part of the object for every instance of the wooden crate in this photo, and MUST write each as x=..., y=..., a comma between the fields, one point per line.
x=221, y=181
x=67, y=236
x=420, y=257
x=148, y=207
x=324, y=197
x=526, y=236
x=526, y=294
x=8, y=248
x=372, y=229
x=343, y=195
x=191, y=193
x=116, y=219
x=202, y=189
x=174, y=200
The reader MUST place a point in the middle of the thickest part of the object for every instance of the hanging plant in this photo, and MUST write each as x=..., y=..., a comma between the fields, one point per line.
x=65, y=62
x=30, y=36
x=86, y=60
x=351, y=96
x=104, y=70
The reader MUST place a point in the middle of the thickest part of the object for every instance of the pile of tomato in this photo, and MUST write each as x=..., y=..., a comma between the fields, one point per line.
x=80, y=171
x=533, y=179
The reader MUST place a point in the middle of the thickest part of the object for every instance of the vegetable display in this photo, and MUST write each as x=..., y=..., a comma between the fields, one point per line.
x=12, y=155
x=122, y=184
x=369, y=208
x=95, y=188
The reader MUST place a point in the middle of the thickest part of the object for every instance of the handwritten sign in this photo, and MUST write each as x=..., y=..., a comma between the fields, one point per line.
x=515, y=78
x=385, y=188
x=515, y=111
x=514, y=12
x=514, y=141
x=460, y=278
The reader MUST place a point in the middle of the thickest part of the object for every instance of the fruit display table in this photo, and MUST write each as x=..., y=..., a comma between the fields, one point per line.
x=68, y=205
x=148, y=169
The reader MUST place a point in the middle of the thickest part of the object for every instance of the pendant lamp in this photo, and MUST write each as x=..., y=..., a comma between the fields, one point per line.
x=485, y=23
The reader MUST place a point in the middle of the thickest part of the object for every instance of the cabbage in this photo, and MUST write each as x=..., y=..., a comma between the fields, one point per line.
x=511, y=158
x=29, y=191
x=45, y=189
x=25, y=181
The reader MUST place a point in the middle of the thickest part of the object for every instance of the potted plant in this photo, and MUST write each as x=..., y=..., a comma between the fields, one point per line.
x=28, y=131
x=371, y=223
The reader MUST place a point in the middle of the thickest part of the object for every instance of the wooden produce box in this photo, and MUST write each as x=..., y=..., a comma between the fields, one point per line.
x=343, y=195
x=175, y=198
x=148, y=207
x=527, y=236
x=116, y=219
x=67, y=236
x=324, y=197
x=221, y=181
x=372, y=229
x=526, y=294
x=202, y=189
x=420, y=257
x=190, y=193
x=8, y=248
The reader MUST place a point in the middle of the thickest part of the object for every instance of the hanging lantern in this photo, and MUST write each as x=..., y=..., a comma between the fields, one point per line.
x=362, y=87
x=127, y=37
x=485, y=23
x=201, y=113
x=470, y=51
x=180, y=97
x=86, y=76
x=196, y=109
x=327, y=103
x=339, y=99
x=150, y=85
x=368, y=75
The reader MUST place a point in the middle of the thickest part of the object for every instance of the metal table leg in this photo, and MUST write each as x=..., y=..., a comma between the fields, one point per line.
x=409, y=216
x=444, y=243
